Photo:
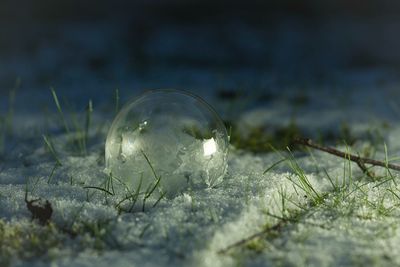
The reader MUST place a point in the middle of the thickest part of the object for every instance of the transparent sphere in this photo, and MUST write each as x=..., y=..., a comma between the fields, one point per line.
x=167, y=140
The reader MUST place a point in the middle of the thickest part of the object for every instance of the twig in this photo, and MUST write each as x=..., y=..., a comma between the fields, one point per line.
x=283, y=222
x=357, y=159
x=275, y=227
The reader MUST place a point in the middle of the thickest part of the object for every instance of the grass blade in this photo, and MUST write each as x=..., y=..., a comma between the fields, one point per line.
x=89, y=111
x=53, y=92
x=11, y=104
x=52, y=172
x=99, y=188
x=275, y=164
x=51, y=149
x=116, y=100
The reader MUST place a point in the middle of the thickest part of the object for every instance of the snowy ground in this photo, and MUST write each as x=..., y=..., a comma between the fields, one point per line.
x=346, y=221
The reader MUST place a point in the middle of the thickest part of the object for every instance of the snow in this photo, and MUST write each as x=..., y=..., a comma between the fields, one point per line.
x=190, y=229
x=358, y=227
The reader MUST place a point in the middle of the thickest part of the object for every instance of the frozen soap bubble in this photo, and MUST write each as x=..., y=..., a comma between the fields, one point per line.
x=167, y=135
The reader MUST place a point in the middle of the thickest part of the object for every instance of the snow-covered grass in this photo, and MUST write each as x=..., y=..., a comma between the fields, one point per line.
x=280, y=207
x=297, y=208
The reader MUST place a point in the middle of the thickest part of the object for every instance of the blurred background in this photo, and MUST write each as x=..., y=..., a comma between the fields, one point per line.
x=235, y=54
x=117, y=43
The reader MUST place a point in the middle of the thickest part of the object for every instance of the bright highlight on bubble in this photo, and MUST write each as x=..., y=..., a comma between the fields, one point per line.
x=169, y=139
x=210, y=147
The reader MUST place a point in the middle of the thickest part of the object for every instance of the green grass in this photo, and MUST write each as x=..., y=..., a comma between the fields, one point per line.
x=128, y=201
x=88, y=122
x=153, y=186
x=346, y=198
x=78, y=134
x=302, y=182
x=51, y=149
x=53, y=171
x=60, y=111
x=261, y=139
x=2, y=134
x=346, y=195
x=29, y=241
x=131, y=197
x=117, y=101
x=11, y=105
x=7, y=120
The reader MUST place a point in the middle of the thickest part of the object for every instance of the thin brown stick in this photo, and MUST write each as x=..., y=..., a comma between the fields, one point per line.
x=357, y=159
x=278, y=227
x=246, y=240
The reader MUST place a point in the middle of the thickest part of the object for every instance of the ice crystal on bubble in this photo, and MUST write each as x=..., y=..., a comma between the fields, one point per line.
x=168, y=135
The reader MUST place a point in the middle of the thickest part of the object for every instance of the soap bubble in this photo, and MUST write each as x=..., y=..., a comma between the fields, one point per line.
x=169, y=141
